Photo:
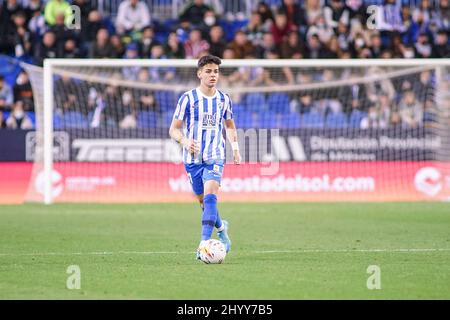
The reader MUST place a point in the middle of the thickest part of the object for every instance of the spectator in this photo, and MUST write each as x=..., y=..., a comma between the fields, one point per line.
x=321, y=29
x=241, y=46
x=195, y=46
x=19, y=37
x=344, y=37
x=266, y=14
x=292, y=47
x=183, y=30
x=313, y=10
x=423, y=12
x=376, y=45
x=424, y=87
x=255, y=29
x=102, y=47
x=442, y=17
x=357, y=11
x=410, y=110
x=68, y=97
x=93, y=24
x=333, y=48
x=31, y=7
x=376, y=87
x=132, y=16
x=379, y=114
x=267, y=45
x=217, y=43
x=119, y=48
x=18, y=119
x=147, y=42
x=194, y=12
x=441, y=47
x=306, y=104
x=336, y=12
x=281, y=27
x=209, y=20
x=423, y=46
x=71, y=50
x=37, y=27
x=47, y=49
x=389, y=19
x=294, y=13
x=6, y=95
x=410, y=29
x=55, y=7
x=7, y=11
x=174, y=48
x=62, y=33
x=23, y=91
x=315, y=49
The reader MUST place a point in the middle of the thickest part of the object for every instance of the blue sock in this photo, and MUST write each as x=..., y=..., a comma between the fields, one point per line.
x=218, y=223
x=209, y=215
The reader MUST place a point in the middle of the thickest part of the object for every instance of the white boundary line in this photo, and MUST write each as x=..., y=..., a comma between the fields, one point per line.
x=110, y=253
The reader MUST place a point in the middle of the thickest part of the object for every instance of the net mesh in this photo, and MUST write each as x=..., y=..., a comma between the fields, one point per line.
x=375, y=132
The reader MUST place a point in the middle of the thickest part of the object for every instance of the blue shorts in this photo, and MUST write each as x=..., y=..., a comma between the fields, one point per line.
x=200, y=173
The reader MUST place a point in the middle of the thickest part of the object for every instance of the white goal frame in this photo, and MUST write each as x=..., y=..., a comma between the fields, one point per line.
x=50, y=64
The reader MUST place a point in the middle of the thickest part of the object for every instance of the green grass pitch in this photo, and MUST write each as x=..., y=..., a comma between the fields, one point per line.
x=280, y=251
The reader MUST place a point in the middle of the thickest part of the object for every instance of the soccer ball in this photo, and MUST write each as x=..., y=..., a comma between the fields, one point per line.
x=213, y=251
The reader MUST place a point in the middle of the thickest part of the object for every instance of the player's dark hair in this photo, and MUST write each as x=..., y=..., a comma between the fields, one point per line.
x=203, y=61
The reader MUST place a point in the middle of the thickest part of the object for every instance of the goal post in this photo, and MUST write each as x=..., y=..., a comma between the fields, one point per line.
x=353, y=130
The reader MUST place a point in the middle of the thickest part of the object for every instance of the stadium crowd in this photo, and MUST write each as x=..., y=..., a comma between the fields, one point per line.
x=34, y=30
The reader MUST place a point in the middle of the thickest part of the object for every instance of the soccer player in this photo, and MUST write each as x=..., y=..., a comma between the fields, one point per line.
x=197, y=125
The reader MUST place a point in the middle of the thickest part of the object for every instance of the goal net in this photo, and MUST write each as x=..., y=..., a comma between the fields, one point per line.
x=311, y=130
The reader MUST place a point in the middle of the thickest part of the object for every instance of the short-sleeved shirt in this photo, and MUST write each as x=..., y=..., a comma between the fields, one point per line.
x=203, y=122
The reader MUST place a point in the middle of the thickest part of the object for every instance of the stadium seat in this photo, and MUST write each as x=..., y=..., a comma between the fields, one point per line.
x=166, y=119
x=290, y=121
x=312, y=119
x=278, y=102
x=32, y=117
x=57, y=121
x=147, y=119
x=255, y=102
x=336, y=120
x=165, y=100
x=244, y=119
x=269, y=120
x=355, y=118
x=74, y=119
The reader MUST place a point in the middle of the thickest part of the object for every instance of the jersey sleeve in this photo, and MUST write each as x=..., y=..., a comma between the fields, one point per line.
x=228, y=108
x=180, y=111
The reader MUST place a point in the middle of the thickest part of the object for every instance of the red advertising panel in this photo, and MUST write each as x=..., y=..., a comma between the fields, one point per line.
x=293, y=181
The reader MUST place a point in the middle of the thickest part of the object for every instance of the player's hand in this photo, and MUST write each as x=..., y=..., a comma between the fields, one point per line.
x=237, y=157
x=191, y=145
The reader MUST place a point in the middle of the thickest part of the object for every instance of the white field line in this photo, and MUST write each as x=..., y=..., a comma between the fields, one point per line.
x=299, y=251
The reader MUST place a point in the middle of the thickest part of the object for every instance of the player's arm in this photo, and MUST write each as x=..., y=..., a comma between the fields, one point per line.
x=176, y=134
x=233, y=138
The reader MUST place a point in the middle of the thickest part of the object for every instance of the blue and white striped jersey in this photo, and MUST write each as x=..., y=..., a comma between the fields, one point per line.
x=202, y=121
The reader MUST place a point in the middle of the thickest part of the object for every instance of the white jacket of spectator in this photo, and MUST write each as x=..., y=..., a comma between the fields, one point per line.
x=129, y=18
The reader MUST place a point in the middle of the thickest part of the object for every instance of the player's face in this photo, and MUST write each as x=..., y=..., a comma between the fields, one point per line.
x=209, y=75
